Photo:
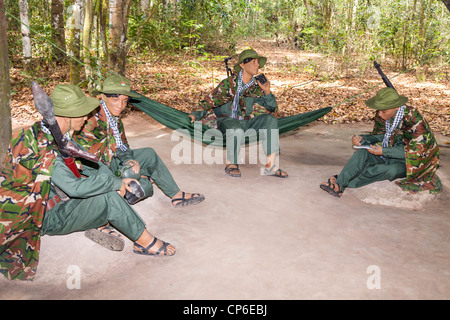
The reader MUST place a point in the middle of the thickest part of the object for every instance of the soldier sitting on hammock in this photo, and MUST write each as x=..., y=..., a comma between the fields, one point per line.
x=242, y=102
x=401, y=146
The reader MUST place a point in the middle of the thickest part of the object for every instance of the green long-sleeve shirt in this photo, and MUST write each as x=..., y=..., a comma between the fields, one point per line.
x=397, y=151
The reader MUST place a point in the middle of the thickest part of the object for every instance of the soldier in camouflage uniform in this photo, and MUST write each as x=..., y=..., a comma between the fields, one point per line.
x=30, y=205
x=240, y=103
x=104, y=136
x=402, y=146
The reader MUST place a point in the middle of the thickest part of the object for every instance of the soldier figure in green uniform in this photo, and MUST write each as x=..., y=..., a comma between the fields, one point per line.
x=104, y=136
x=242, y=102
x=40, y=195
x=401, y=145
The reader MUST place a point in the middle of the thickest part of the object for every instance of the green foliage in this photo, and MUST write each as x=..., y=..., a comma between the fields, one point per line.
x=408, y=31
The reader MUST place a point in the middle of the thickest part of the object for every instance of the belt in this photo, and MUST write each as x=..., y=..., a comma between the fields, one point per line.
x=238, y=118
x=53, y=202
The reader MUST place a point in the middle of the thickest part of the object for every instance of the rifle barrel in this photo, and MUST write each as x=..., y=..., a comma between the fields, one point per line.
x=386, y=80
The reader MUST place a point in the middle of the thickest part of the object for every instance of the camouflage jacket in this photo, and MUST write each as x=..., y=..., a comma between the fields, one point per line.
x=421, y=149
x=252, y=102
x=97, y=138
x=24, y=191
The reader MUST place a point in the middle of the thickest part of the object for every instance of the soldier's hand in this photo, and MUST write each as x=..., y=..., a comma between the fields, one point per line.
x=192, y=118
x=134, y=165
x=265, y=87
x=125, y=186
x=356, y=140
x=377, y=150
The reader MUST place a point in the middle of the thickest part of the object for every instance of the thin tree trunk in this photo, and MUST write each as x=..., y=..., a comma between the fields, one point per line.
x=26, y=40
x=103, y=19
x=75, y=35
x=5, y=94
x=58, y=33
x=88, y=18
x=118, y=21
x=355, y=8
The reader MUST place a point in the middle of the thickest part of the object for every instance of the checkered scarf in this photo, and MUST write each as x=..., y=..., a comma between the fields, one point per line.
x=112, y=121
x=390, y=128
x=240, y=89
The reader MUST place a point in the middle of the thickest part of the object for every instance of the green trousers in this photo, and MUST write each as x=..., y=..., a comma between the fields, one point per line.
x=84, y=214
x=266, y=125
x=364, y=168
x=151, y=166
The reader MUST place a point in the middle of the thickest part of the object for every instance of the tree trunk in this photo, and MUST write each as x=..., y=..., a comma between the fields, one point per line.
x=88, y=19
x=26, y=40
x=118, y=22
x=58, y=34
x=103, y=21
x=5, y=94
x=355, y=9
x=75, y=27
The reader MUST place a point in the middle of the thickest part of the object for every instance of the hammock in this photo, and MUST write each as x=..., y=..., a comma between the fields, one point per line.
x=179, y=120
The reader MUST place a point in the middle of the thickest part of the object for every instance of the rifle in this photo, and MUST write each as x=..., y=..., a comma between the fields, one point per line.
x=44, y=105
x=229, y=72
x=383, y=76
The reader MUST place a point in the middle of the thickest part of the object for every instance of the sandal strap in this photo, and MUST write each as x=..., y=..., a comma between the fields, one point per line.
x=107, y=229
x=183, y=197
x=163, y=247
x=278, y=173
x=231, y=167
x=183, y=201
x=145, y=250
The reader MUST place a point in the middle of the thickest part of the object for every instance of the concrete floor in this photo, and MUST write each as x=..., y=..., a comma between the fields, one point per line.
x=260, y=237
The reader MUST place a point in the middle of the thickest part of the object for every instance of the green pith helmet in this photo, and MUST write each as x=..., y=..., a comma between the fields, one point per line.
x=386, y=98
x=116, y=84
x=70, y=101
x=249, y=53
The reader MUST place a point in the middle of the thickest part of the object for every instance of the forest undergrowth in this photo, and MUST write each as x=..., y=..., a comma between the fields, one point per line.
x=302, y=81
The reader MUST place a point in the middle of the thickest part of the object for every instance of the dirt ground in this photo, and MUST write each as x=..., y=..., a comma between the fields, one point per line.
x=261, y=237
